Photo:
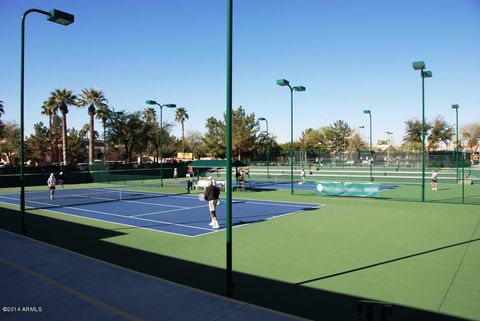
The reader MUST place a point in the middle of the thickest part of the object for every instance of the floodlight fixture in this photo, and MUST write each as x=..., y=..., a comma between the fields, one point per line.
x=60, y=17
x=427, y=74
x=418, y=65
x=283, y=82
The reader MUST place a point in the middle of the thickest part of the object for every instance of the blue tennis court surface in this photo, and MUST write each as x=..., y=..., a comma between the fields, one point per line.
x=170, y=213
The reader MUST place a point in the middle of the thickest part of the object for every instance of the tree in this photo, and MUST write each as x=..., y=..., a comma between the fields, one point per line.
x=10, y=143
x=94, y=98
x=50, y=108
x=412, y=141
x=195, y=143
x=38, y=144
x=180, y=116
x=64, y=98
x=440, y=131
x=2, y=111
x=104, y=113
x=76, y=148
x=471, y=133
x=355, y=144
x=129, y=131
x=309, y=141
x=244, y=131
x=153, y=134
x=212, y=138
x=340, y=130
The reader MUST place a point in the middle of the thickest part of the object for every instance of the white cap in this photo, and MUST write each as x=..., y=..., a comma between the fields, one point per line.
x=210, y=178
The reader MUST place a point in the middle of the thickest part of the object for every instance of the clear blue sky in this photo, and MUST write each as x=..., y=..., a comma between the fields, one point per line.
x=350, y=55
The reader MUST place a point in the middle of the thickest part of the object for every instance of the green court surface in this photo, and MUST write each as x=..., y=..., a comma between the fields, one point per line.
x=419, y=257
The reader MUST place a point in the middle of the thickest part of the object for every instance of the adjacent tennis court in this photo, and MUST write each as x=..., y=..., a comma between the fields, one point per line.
x=170, y=213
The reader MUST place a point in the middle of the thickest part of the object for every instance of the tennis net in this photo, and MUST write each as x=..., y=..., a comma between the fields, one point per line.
x=36, y=199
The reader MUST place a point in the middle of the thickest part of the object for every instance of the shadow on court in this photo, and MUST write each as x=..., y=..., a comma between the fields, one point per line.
x=290, y=298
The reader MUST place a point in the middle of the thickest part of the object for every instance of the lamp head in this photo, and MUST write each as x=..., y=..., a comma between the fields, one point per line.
x=262, y=118
x=426, y=74
x=151, y=102
x=282, y=82
x=170, y=105
x=60, y=17
x=366, y=111
x=454, y=106
x=299, y=88
x=418, y=65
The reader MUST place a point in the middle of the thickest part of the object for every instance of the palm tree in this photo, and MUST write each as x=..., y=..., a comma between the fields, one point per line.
x=50, y=108
x=104, y=114
x=93, y=98
x=2, y=111
x=63, y=98
x=180, y=116
x=150, y=115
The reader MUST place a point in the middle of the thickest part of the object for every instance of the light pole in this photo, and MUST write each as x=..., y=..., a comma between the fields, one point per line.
x=284, y=82
x=59, y=17
x=456, y=140
x=228, y=143
x=268, y=143
x=369, y=112
x=153, y=102
x=420, y=65
x=389, y=143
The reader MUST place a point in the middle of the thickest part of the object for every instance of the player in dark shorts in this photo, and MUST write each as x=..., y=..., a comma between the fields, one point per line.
x=61, y=179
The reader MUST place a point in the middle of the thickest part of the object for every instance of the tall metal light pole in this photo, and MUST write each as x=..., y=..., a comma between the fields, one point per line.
x=368, y=111
x=59, y=17
x=420, y=65
x=284, y=82
x=228, y=143
x=389, y=143
x=456, y=140
x=268, y=146
x=153, y=102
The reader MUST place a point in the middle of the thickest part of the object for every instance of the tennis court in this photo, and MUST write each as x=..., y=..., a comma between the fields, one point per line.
x=179, y=214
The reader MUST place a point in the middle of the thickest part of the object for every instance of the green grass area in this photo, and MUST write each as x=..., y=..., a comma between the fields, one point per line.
x=418, y=255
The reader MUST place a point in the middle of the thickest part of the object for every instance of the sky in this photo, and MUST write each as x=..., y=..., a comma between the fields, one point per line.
x=350, y=55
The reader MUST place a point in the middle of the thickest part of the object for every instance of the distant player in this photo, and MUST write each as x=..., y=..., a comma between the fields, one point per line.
x=434, y=180
x=302, y=176
x=51, y=182
x=61, y=179
x=175, y=174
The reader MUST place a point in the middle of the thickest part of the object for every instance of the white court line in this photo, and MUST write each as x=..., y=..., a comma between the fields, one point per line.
x=135, y=218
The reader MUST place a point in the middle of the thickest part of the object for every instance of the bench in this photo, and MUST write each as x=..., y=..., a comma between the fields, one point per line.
x=204, y=183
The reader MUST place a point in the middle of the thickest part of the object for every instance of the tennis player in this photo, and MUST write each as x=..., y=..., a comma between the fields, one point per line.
x=434, y=180
x=212, y=194
x=61, y=179
x=51, y=185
